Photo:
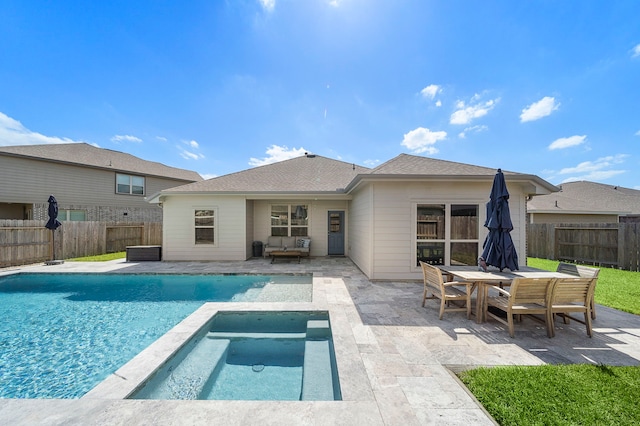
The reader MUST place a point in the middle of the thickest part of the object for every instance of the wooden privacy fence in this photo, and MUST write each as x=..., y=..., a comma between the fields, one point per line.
x=28, y=241
x=615, y=245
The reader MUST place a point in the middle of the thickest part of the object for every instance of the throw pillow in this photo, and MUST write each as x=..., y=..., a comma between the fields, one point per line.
x=299, y=243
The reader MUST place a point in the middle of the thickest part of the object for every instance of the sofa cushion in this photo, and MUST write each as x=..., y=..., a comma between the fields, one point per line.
x=288, y=242
x=274, y=241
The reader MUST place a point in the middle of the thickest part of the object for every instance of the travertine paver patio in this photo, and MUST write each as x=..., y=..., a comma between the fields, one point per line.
x=395, y=358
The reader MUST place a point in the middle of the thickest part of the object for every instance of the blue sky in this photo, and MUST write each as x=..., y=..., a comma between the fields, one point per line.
x=549, y=88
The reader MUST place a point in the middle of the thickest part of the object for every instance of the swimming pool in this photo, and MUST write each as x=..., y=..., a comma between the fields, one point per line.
x=61, y=334
x=244, y=355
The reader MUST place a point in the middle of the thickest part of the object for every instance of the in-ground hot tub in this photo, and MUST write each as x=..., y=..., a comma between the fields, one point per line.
x=239, y=355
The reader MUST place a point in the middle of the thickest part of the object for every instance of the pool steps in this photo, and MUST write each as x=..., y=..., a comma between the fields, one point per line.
x=317, y=378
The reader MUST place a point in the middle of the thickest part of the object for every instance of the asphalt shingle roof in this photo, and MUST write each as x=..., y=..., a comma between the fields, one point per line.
x=585, y=196
x=309, y=173
x=86, y=155
x=405, y=164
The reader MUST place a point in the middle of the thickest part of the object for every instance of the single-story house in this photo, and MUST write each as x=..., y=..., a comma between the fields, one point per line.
x=385, y=219
x=89, y=183
x=586, y=202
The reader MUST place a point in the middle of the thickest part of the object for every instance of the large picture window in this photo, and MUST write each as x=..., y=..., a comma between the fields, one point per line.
x=447, y=233
x=128, y=184
x=205, y=226
x=289, y=220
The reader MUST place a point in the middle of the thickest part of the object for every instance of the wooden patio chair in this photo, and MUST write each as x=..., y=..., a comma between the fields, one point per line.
x=448, y=292
x=573, y=295
x=526, y=296
x=584, y=272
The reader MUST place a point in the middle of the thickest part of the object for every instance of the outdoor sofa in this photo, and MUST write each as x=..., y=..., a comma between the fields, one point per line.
x=299, y=244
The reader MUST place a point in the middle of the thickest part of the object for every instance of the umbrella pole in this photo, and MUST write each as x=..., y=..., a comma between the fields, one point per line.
x=53, y=240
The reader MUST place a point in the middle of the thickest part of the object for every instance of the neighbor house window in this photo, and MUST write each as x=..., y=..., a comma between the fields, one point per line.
x=205, y=226
x=128, y=184
x=72, y=215
x=289, y=220
x=447, y=232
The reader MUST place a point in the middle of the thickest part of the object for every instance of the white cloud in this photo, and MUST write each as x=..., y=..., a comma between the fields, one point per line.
x=562, y=143
x=13, y=133
x=161, y=138
x=473, y=129
x=125, y=138
x=431, y=91
x=636, y=51
x=422, y=140
x=597, y=170
x=207, y=176
x=638, y=133
x=371, y=163
x=192, y=144
x=537, y=110
x=277, y=153
x=268, y=5
x=466, y=113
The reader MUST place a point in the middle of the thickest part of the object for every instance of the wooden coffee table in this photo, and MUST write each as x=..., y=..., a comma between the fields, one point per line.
x=283, y=253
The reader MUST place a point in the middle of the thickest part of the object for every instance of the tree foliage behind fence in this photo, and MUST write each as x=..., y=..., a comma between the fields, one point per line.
x=614, y=245
x=28, y=241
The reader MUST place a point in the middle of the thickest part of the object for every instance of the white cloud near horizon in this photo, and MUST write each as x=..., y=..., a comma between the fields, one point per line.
x=537, y=110
x=563, y=143
x=597, y=170
x=423, y=140
x=465, y=113
x=13, y=133
x=126, y=138
x=275, y=154
x=636, y=51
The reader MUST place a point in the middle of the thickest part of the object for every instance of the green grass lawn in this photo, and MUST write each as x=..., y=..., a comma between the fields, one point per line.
x=558, y=394
x=101, y=257
x=582, y=394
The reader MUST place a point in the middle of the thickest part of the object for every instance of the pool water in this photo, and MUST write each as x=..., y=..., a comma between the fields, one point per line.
x=62, y=334
x=285, y=356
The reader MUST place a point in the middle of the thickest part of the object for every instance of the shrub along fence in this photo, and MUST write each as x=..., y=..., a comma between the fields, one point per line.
x=28, y=241
x=614, y=245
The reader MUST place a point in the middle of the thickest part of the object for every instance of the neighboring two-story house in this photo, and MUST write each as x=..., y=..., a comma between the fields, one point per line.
x=89, y=183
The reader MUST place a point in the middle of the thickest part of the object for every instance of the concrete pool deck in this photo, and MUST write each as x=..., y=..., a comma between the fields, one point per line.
x=396, y=360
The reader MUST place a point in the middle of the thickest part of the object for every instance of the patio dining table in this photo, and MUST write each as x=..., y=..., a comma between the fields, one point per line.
x=482, y=280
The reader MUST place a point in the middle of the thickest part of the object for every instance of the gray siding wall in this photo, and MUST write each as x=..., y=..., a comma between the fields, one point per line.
x=93, y=190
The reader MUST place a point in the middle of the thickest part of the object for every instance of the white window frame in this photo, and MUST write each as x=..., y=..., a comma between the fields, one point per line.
x=290, y=209
x=214, y=226
x=65, y=215
x=131, y=185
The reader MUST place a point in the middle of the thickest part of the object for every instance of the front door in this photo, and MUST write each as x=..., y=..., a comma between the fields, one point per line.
x=336, y=233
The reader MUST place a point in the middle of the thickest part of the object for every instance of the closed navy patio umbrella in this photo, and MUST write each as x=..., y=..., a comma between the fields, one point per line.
x=499, y=250
x=53, y=223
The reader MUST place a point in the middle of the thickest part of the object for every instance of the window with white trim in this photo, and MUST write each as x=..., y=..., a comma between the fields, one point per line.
x=72, y=215
x=129, y=184
x=289, y=220
x=447, y=234
x=204, y=225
